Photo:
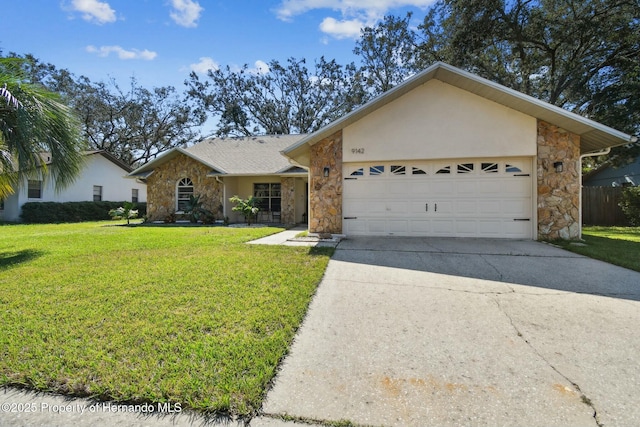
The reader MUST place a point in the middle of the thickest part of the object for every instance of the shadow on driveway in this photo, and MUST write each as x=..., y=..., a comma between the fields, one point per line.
x=522, y=262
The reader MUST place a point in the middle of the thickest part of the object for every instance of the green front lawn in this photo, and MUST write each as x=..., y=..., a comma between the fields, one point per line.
x=188, y=315
x=615, y=245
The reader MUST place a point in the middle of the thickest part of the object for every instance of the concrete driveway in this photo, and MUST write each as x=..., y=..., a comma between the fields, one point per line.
x=426, y=331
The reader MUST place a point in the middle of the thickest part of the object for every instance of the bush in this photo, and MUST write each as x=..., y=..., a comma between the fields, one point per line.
x=54, y=212
x=630, y=204
x=248, y=208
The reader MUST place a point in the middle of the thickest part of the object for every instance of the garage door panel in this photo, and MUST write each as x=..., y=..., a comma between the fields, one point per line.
x=466, y=207
x=485, y=198
x=516, y=208
x=398, y=226
x=420, y=226
x=377, y=226
x=441, y=207
x=466, y=228
x=417, y=208
x=489, y=207
x=418, y=186
x=515, y=228
x=489, y=228
x=442, y=227
x=398, y=207
x=442, y=188
x=516, y=186
x=465, y=188
x=374, y=207
x=397, y=189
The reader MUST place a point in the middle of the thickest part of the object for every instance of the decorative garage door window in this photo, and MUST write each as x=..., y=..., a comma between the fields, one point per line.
x=398, y=170
x=269, y=196
x=417, y=171
x=489, y=167
x=185, y=191
x=465, y=167
x=376, y=170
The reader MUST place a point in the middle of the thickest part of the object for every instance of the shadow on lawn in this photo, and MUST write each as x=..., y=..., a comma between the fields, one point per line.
x=12, y=259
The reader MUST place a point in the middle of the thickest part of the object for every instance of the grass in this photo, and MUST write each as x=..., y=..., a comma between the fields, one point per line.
x=188, y=315
x=615, y=245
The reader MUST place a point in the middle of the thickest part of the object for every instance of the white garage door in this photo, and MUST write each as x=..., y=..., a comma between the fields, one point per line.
x=457, y=198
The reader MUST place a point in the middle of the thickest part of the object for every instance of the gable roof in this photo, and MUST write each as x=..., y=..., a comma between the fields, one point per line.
x=255, y=155
x=46, y=158
x=594, y=136
x=608, y=174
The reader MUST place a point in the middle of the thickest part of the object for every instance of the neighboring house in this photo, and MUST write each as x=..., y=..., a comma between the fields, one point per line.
x=447, y=153
x=216, y=169
x=614, y=176
x=103, y=178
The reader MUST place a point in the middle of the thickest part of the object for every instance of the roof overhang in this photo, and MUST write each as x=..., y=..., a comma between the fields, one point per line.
x=594, y=136
x=148, y=168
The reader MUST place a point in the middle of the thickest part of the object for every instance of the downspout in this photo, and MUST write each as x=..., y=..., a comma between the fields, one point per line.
x=599, y=153
x=224, y=197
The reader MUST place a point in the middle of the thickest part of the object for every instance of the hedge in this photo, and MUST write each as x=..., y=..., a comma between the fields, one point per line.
x=630, y=204
x=54, y=212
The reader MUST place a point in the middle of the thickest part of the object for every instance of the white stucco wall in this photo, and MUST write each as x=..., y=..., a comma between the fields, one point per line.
x=438, y=121
x=96, y=171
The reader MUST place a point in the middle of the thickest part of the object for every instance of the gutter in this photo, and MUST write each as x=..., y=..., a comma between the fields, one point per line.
x=224, y=196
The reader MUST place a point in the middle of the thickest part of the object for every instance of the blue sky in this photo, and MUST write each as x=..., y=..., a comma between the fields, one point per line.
x=161, y=41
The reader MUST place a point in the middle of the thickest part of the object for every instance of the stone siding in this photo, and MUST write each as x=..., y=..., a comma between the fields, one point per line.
x=326, y=192
x=558, y=193
x=162, y=185
x=288, y=202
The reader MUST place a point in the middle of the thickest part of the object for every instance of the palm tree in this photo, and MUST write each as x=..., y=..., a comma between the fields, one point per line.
x=33, y=121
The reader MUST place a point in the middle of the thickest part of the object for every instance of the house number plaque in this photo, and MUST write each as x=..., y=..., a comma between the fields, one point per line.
x=357, y=150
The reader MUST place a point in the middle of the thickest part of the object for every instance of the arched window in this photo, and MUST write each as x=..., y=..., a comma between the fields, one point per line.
x=184, y=192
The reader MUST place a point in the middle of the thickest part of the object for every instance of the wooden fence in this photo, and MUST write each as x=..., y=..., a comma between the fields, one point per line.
x=600, y=206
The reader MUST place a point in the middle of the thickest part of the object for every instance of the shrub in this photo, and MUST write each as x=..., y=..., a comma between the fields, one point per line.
x=195, y=210
x=248, y=208
x=54, y=212
x=630, y=204
x=126, y=211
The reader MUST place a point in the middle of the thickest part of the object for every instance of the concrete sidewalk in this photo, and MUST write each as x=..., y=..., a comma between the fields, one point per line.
x=289, y=238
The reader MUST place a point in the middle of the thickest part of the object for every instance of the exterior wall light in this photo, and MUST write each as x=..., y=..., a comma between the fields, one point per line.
x=558, y=166
x=325, y=171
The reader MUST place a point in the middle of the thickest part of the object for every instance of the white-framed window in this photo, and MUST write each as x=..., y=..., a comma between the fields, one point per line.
x=269, y=196
x=34, y=189
x=184, y=193
x=97, y=193
x=134, y=195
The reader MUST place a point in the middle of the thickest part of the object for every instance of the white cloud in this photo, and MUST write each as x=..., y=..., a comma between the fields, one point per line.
x=260, y=67
x=122, y=53
x=349, y=28
x=186, y=12
x=353, y=13
x=291, y=8
x=204, y=65
x=94, y=11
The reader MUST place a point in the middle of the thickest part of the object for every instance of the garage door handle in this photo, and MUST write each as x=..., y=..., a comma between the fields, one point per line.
x=522, y=219
x=426, y=207
x=436, y=208
x=350, y=217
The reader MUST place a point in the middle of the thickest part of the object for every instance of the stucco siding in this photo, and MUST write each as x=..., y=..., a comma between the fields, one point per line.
x=439, y=121
x=97, y=170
